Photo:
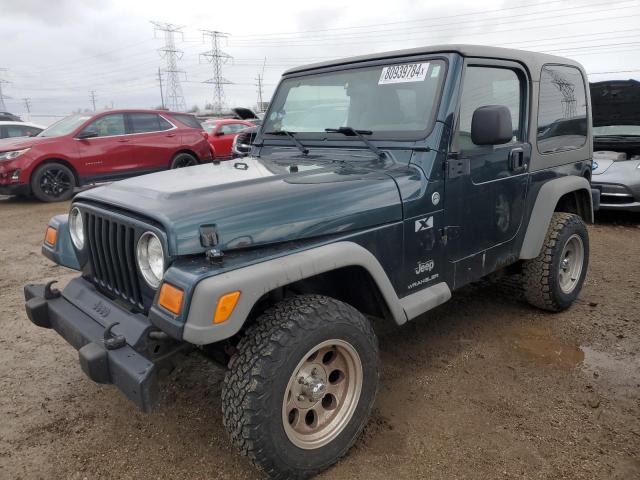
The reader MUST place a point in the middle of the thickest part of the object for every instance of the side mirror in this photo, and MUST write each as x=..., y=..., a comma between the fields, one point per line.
x=87, y=134
x=219, y=133
x=491, y=125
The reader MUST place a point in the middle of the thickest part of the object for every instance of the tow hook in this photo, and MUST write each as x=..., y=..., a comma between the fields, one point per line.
x=49, y=292
x=111, y=341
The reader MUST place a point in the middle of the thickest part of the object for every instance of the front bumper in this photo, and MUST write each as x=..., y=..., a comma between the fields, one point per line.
x=15, y=189
x=616, y=197
x=82, y=316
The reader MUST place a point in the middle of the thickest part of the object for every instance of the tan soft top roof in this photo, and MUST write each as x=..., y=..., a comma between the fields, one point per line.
x=533, y=60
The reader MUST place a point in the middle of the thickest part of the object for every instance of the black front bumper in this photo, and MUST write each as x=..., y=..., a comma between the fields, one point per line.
x=121, y=364
x=15, y=189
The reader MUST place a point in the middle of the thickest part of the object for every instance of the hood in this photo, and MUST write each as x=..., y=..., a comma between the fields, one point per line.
x=615, y=102
x=244, y=113
x=258, y=201
x=18, y=143
x=600, y=165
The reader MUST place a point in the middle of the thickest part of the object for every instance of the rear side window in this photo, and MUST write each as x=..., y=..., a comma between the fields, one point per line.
x=188, y=120
x=21, y=131
x=148, y=122
x=232, y=128
x=562, y=109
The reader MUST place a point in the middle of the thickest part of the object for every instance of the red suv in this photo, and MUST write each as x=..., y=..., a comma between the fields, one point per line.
x=89, y=148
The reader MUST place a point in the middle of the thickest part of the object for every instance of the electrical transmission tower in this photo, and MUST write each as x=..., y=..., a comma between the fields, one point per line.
x=27, y=105
x=174, y=97
x=3, y=107
x=217, y=58
x=568, y=96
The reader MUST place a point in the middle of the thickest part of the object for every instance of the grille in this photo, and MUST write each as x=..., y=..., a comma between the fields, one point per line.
x=112, y=256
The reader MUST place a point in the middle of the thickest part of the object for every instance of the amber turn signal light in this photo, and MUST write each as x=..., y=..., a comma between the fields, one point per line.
x=50, y=236
x=225, y=307
x=171, y=298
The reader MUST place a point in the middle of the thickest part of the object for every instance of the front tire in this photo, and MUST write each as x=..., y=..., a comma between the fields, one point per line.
x=301, y=386
x=182, y=160
x=553, y=280
x=53, y=182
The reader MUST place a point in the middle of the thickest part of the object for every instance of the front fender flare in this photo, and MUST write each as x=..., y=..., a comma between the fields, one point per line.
x=256, y=280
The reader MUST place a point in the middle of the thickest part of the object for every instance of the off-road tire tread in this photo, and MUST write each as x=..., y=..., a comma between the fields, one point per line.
x=537, y=272
x=261, y=352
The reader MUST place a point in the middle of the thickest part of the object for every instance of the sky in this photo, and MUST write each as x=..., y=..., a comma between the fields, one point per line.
x=55, y=52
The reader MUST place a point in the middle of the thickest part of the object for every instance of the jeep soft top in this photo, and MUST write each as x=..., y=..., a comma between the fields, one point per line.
x=376, y=187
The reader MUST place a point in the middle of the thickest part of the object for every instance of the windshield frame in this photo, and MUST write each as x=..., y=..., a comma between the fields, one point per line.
x=411, y=136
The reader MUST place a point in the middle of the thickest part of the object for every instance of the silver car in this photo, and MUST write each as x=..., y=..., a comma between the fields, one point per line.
x=616, y=143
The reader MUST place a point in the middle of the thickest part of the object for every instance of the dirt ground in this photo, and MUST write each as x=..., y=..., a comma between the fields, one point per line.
x=483, y=387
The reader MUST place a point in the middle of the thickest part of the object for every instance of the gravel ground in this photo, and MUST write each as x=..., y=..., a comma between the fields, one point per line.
x=483, y=387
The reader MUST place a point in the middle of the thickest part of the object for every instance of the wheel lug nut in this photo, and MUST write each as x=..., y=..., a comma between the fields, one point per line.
x=301, y=398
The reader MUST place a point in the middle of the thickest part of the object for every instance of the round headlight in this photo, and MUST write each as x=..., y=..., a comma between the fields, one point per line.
x=150, y=258
x=76, y=229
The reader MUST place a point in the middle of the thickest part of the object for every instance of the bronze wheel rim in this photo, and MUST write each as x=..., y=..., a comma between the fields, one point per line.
x=322, y=394
x=571, y=261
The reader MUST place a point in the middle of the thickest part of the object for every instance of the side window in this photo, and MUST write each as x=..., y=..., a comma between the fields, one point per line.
x=562, y=109
x=108, y=125
x=188, y=120
x=147, y=122
x=231, y=128
x=32, y=131
x=16, y=131
x=487, y=86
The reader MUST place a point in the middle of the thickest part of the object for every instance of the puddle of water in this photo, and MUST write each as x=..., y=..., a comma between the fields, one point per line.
x=540, y=347
x=620, y=372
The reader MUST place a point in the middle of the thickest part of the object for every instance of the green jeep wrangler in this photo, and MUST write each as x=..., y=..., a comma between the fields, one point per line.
x=376, y=186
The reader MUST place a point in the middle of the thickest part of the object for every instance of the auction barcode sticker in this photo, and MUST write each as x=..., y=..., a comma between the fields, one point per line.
x=409, y=72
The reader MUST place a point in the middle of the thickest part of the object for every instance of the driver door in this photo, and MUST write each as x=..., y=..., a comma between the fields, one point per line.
x=486, y=185
x=108, y=155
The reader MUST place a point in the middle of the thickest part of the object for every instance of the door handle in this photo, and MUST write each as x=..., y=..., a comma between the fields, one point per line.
x=123, y=140
x=170, y=135
x=517, y=161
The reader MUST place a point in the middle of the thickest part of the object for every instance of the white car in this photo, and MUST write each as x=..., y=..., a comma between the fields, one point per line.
x=11, y=129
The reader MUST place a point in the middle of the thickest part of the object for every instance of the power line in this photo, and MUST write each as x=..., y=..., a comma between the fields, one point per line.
x=175, y=97
x=216, y=57
x=456, y=25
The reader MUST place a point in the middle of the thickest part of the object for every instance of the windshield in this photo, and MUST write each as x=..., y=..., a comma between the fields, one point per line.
x=395, y=101
x=208, y=127
x=65, y=126
x=617, y=130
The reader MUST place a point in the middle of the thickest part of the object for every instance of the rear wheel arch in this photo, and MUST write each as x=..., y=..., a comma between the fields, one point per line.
x=568, y=194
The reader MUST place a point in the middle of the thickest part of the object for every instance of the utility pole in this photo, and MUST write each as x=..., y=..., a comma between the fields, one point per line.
x=3, y=107
x=160, y=82
x=175, y=98
x=260, y=79
x=93, y=99
x=27, y=105
x=216, y=57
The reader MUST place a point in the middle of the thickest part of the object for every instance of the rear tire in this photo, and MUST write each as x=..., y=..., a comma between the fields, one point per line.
x=53, y=182
x=301, y=386
x=182, y=160
x=553, y=280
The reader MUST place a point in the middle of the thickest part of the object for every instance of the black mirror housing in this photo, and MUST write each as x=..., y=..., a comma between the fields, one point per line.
x=87, y=134
x=219, y=133
x=491, y=125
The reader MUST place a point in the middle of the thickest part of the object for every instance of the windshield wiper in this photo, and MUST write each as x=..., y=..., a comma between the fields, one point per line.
x=291, y=135
x=350, y=131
